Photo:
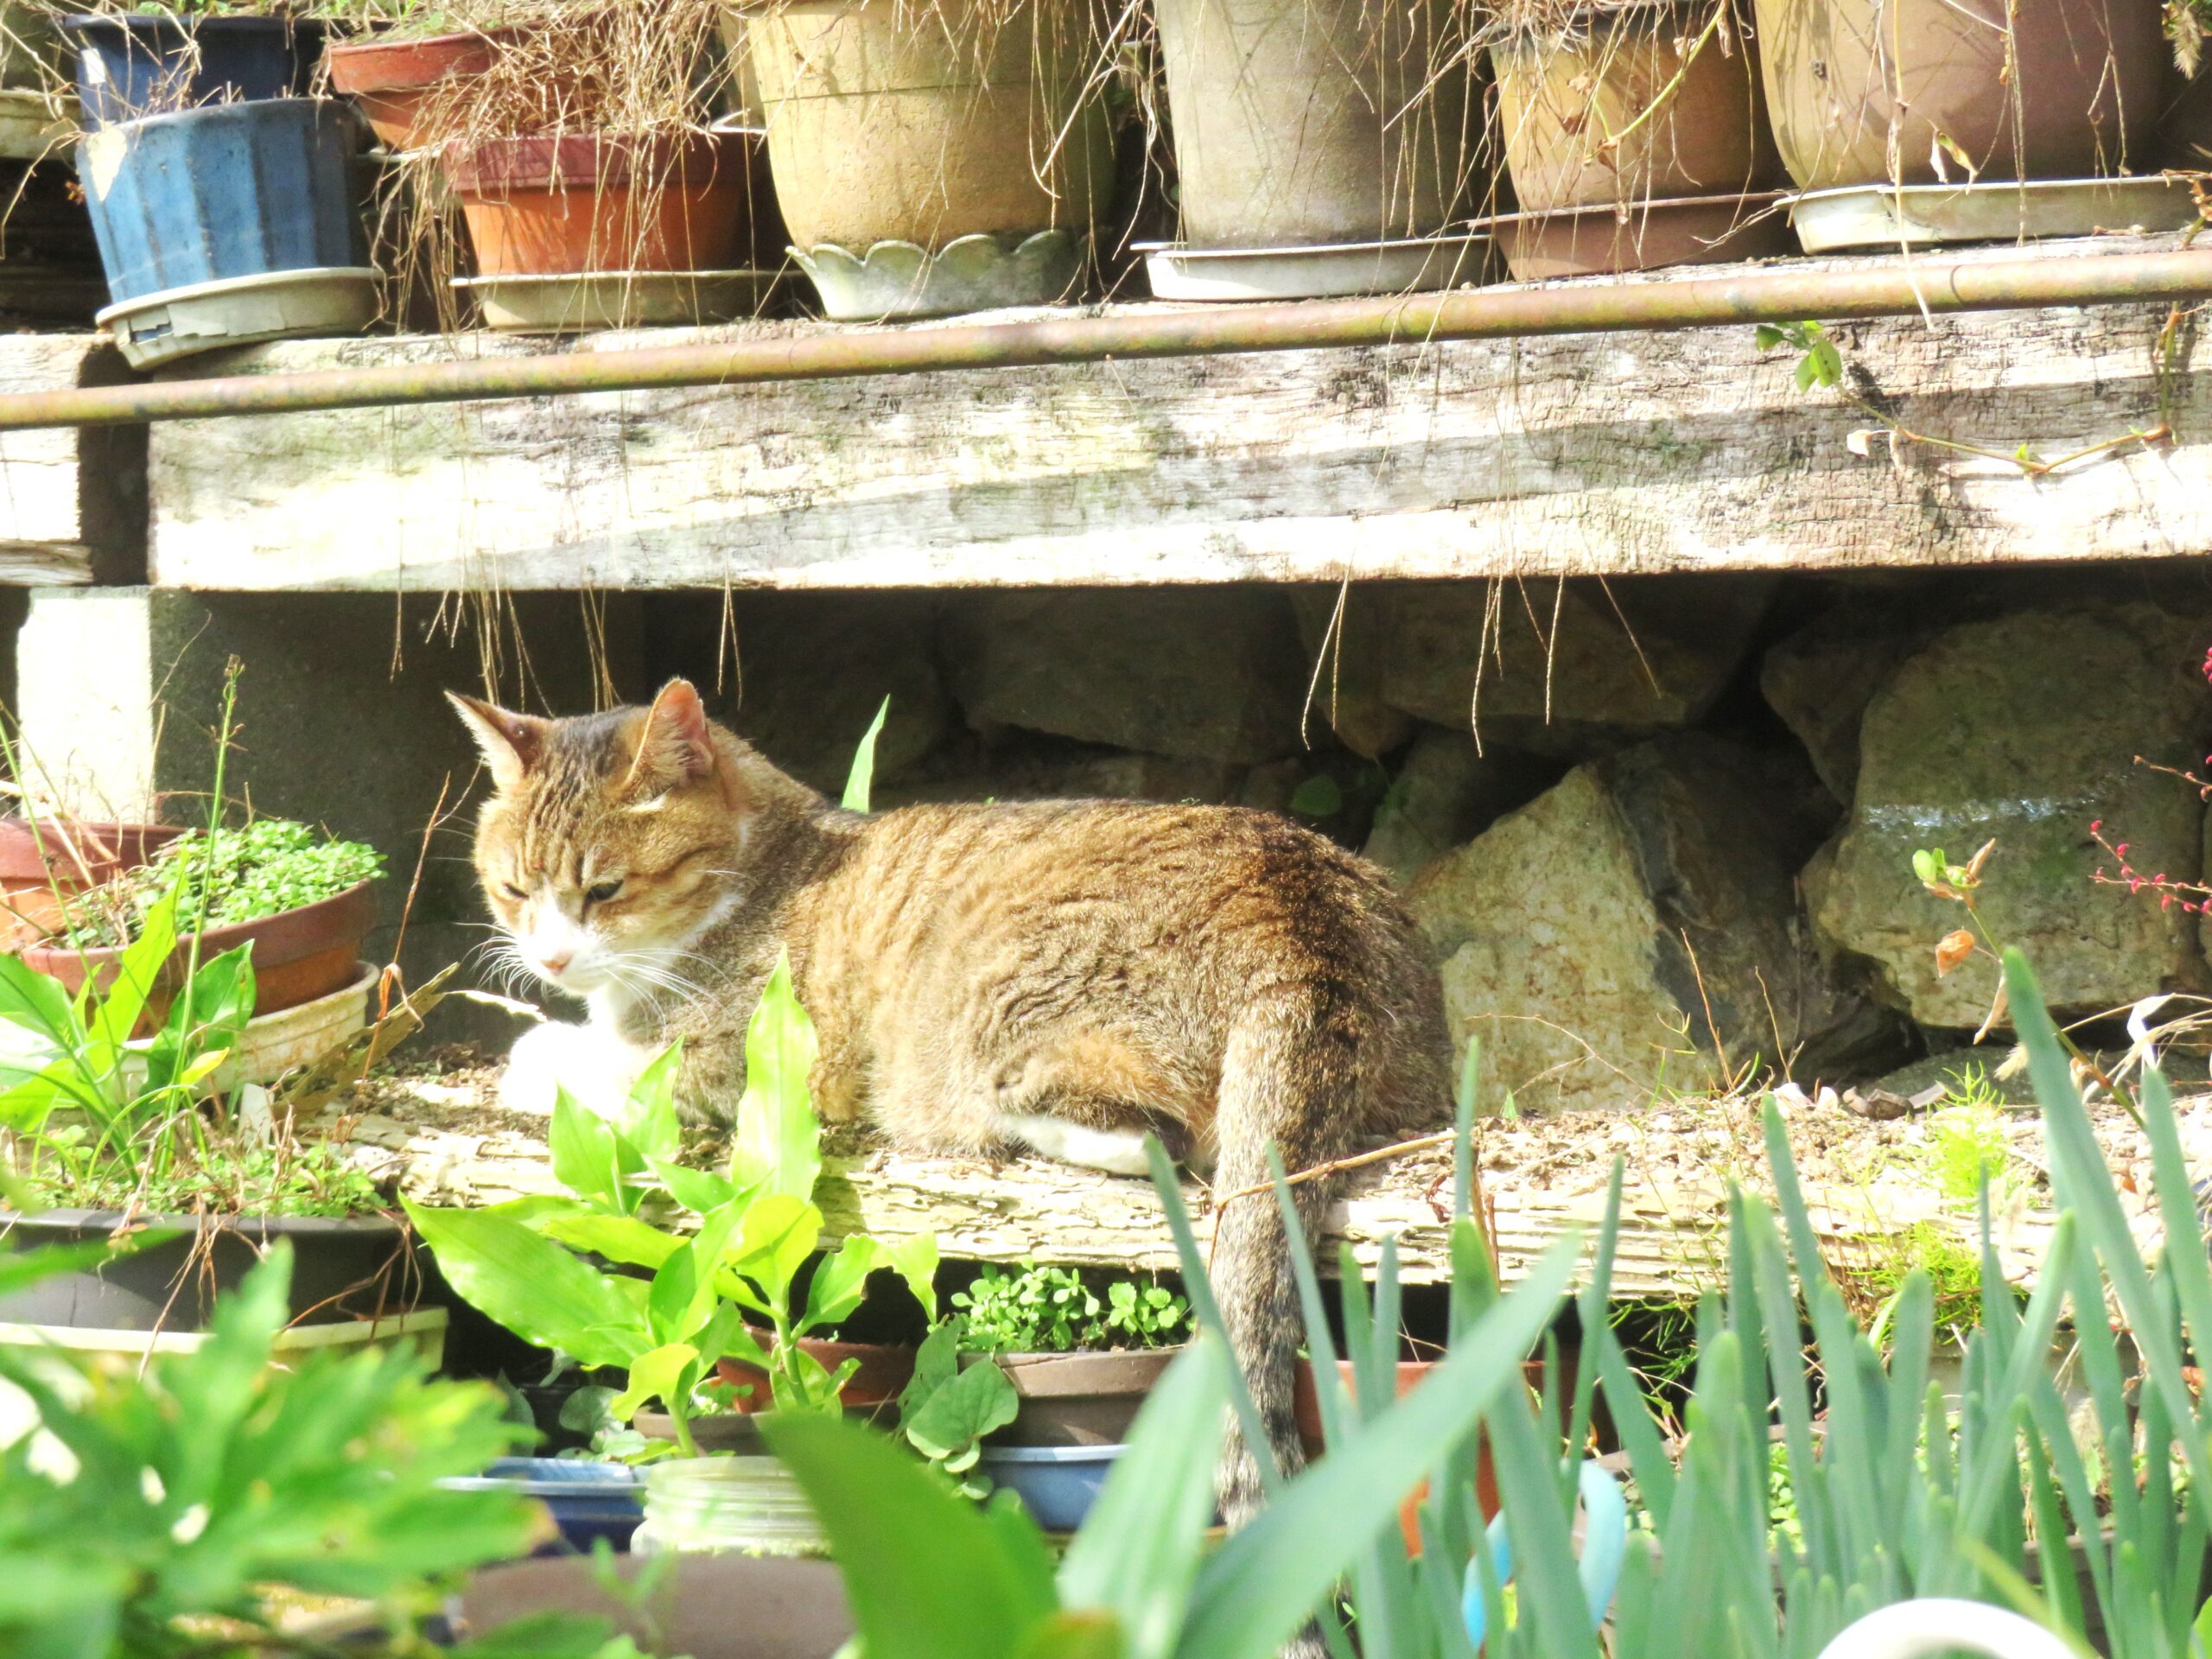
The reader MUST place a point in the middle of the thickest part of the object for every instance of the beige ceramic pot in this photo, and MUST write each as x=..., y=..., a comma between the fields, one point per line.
x=1635, y=103
x=1917, y=92
x=893, y=121
x=1305, y=122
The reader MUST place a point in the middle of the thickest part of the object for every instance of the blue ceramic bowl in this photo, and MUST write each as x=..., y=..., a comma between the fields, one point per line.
x=1057, y=1483
x=590, y=1500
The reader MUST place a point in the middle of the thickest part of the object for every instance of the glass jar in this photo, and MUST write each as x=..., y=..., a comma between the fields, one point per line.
x=710, y=1506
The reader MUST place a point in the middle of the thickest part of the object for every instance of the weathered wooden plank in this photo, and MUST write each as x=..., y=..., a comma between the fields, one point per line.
x=1611, y=454
x=72, y=502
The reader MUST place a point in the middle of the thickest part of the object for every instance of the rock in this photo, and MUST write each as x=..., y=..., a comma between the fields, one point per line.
x=1635, y=930
x=810, y=671
x=1346, y=686
x=2025, y=729
x=1820, y=679
x=1567, y=670
x=1209, y=673
x=1444, y=793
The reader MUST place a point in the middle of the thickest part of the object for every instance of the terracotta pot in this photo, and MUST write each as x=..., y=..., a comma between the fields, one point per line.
x=594, y=202
x=888, y=123
x=885, y=1369
x=42, y=859
x=1688, y=230
x=391, y=81
x=1307, y=1406
x=298, y=955
x=1597, y=116
x=2072, y=89
x=1299, y=123
x=1077, y=1399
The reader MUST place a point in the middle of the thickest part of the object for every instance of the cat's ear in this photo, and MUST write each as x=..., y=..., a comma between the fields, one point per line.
x=674, y=744
x=511, y=743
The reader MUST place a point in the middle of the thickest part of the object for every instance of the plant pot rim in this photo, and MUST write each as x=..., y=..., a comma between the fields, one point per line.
x=178, y=26
x=259, y=109
x=571, y=161
x=1102, y=1453
x=72, y=1219
x=1090, y=1372
x=323, y=923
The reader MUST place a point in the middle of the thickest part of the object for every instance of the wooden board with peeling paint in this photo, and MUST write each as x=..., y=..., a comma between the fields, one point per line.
x=72, y=502
x=1576, y=455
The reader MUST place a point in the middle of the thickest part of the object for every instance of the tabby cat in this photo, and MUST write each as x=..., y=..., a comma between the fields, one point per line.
x=1055, y=976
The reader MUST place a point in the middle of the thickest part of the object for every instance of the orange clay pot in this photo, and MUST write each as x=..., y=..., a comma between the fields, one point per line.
x=557, y=206
x=391, y=80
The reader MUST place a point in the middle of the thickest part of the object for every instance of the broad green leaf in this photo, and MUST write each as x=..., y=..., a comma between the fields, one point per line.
x=696, y=1190
x=656, y=1374
x=927, y=1575
x=647, y=1120
x=211, y=1012
x=1138, y=1553
x=137, y=972
x=955, y=1418
x=38, y=1004
x=860, y=783
x=532, y=1285
x=1270, y=1578
x=840, y=1282
x=914, y=1259
x=1076, y=1633
x=668, y=1308
x=779, y=1235
x=585, y=1160
x=619, y=1238
x=777, y=1143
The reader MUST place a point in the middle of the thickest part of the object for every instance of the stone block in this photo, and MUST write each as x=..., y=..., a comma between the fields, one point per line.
x=1206, y=673
x=2026, y=729
x=1635, y=930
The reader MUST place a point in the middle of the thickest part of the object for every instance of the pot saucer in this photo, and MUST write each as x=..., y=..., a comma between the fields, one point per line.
x=1891, y=217
x=158, y=328
x=896, y=280
x=1326, y=270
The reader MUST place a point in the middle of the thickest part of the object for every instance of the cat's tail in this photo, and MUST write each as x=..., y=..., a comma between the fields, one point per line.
x=1291, y=1078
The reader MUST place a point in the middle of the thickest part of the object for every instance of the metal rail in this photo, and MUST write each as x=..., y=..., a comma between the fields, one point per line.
x=1905, y=289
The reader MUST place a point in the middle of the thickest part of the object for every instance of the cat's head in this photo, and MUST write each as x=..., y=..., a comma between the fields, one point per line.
x=605, y=847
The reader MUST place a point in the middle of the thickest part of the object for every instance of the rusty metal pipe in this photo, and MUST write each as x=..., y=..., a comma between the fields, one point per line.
x=1777, y=295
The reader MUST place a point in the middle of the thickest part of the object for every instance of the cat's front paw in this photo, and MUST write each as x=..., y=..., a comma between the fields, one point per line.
x=547, y=1058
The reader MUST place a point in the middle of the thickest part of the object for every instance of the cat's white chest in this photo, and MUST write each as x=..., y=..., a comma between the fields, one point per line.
x=592, y=1061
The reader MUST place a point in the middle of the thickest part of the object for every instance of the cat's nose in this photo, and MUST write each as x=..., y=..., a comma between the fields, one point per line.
x=554, y=964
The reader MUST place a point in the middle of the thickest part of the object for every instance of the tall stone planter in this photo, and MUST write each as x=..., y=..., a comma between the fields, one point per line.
x=1299, y=123
x=1922, y=91
x=933, y=160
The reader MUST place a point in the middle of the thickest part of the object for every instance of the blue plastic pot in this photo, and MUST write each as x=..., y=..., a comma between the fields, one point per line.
x=232, y=190
x=1056, y=1484
x=590, y=1500
x=128, y=67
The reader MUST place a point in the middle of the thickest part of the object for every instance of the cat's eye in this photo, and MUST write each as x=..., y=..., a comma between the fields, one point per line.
x=512, y=891
x=602, y=891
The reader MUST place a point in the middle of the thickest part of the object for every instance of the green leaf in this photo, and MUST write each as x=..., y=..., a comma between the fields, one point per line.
x=1318, y=797
x=585, y=1157
x=914, y=1259
x=954, y=1418
x=927, y=1575
x=777, y=1143
x=1270, y=1578
x=647, y=1120
x=840, y=1282
x=657, y=1375
x=1768, y=337
x=860, y=782
x=779, y=1235
x=1138, y=1553
x=619, y=1238
x=696, y=1190
x=210, y=1013
x=36, y=1003
x=532, y=1285
x=137, y=971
